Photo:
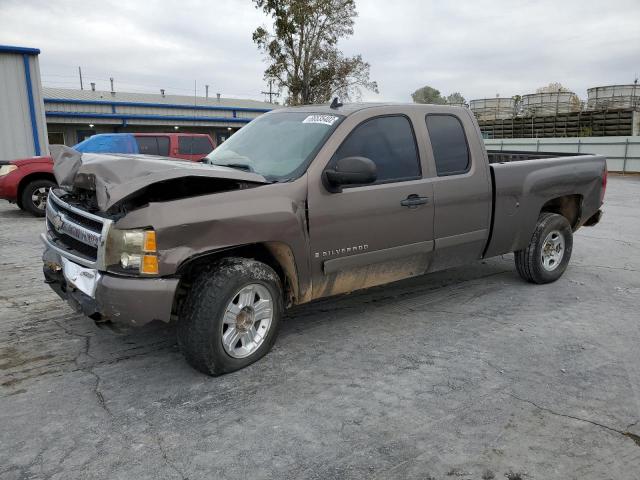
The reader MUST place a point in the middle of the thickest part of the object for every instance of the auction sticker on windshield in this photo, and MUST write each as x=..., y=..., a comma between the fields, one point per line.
x=324, y=119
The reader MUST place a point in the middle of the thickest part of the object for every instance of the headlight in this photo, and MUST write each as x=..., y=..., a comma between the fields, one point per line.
x=132, y=251
x=7, y=169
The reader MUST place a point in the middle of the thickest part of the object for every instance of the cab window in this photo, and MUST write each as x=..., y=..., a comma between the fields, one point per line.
x=147, y=145
x=449, y=144
x=389, y=142
x=194, y=146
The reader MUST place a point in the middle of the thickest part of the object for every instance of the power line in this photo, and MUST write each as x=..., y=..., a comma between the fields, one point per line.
x=271, y=92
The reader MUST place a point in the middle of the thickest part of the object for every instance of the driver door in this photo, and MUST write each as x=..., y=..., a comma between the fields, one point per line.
x=367, y=235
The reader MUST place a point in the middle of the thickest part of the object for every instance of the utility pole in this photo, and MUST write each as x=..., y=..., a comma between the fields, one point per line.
x=80, y=73
x=271, y=92
x=206, y=90
x=111, y=80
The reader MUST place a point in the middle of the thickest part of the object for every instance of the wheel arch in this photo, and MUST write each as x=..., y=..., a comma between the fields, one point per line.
x=569, y=206
x=24, y=181
x=278, y=255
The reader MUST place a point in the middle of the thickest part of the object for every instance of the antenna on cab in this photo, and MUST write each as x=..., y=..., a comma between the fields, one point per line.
x=335, y=103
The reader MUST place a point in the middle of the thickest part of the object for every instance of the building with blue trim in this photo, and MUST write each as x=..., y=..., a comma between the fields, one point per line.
x=23, y=130
x=74, y=114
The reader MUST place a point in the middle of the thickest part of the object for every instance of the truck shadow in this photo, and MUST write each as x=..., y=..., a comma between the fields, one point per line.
x=444, y=286
x=83, y=345
x=438, y=285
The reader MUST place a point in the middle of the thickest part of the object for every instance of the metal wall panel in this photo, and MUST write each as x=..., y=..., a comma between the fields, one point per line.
x=16, y=140
x=16, y=128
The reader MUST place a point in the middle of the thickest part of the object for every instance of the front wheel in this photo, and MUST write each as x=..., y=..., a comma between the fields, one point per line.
x=231, y=316
x=546, y=257
x=34, y=196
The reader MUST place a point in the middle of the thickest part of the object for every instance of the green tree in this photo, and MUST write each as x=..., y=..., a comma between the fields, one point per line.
x=456, y=98
x=428, y=94
x=302, y=52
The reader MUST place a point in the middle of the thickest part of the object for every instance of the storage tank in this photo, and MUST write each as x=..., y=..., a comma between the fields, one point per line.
x=493, y=108
x=613, y=97
x=23, y=130
x=549, y=103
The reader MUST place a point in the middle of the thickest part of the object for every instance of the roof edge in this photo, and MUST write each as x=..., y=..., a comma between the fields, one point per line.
x=182, y=106
x=21, y=50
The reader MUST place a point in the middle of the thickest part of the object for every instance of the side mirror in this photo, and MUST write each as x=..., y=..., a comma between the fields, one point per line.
x=350, y=171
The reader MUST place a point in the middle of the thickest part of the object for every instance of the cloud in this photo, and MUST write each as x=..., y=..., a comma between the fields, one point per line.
x=478, y=48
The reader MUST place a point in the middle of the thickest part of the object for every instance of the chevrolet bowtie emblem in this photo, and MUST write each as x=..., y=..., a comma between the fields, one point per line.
x=57, y=222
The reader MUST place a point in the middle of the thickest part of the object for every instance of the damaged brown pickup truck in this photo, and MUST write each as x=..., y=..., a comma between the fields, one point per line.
x=303, y=203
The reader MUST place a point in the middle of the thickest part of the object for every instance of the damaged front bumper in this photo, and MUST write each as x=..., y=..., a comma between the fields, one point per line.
x=101, y=296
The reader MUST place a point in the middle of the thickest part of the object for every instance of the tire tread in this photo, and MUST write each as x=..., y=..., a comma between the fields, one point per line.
x=206, y=295
x=526, y=260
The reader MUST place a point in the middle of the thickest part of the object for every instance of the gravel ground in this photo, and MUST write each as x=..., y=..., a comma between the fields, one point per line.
x=468, y=373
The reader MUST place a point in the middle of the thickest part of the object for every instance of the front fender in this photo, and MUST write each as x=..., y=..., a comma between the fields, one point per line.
x=270, y=215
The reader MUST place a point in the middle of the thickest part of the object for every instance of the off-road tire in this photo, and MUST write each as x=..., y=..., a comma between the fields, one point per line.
x=199, y=328
x=26, y=200
x=529, y=260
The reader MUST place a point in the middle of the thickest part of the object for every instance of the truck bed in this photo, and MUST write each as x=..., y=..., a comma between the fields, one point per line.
x=524, y=182
x=506, y=156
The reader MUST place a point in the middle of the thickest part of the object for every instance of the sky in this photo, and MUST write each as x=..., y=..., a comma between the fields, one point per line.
x=478, y=48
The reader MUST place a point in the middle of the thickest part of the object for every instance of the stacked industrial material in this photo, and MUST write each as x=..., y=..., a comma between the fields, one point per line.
x=493, y=108
x=613, y=97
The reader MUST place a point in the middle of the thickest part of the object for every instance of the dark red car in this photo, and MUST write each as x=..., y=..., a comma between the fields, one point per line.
x=26, y=182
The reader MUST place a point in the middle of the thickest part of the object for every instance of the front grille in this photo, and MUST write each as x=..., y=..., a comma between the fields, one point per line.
x=73, y=246
x=74, y=232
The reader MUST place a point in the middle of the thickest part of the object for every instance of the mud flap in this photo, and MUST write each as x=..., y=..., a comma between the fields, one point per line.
x=594, y=219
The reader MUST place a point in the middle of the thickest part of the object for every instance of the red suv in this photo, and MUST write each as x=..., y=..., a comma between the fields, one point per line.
x=26, y=182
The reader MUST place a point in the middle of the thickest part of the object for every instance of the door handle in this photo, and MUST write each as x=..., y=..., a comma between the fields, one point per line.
x=413, y=201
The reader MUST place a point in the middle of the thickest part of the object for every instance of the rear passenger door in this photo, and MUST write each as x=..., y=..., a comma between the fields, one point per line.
x=367, y=235
x=462, y=190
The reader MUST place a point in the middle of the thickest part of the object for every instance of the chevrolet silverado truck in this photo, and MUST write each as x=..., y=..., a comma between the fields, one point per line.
x=304, y=203
x=26, y=182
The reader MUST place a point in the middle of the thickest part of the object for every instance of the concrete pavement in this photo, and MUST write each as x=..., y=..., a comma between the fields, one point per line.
x=469, y=373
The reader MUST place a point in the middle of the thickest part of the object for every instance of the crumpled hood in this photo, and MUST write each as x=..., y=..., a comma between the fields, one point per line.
x=114, y=177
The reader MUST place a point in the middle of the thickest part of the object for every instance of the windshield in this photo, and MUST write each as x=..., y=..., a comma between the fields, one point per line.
x=278, y=146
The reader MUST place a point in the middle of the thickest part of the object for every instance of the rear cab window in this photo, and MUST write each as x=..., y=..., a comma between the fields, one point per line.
x=163, y=146
x=389, y=142
x=194, y=146
x=152, y=145
x=147, y=145
x=449, y=144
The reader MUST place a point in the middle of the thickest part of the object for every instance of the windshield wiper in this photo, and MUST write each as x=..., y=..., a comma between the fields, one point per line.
x=238, y=166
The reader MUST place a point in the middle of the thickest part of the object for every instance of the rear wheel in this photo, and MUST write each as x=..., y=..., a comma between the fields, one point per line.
x=34, y=196
x=231, y=316
x=546, y=257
